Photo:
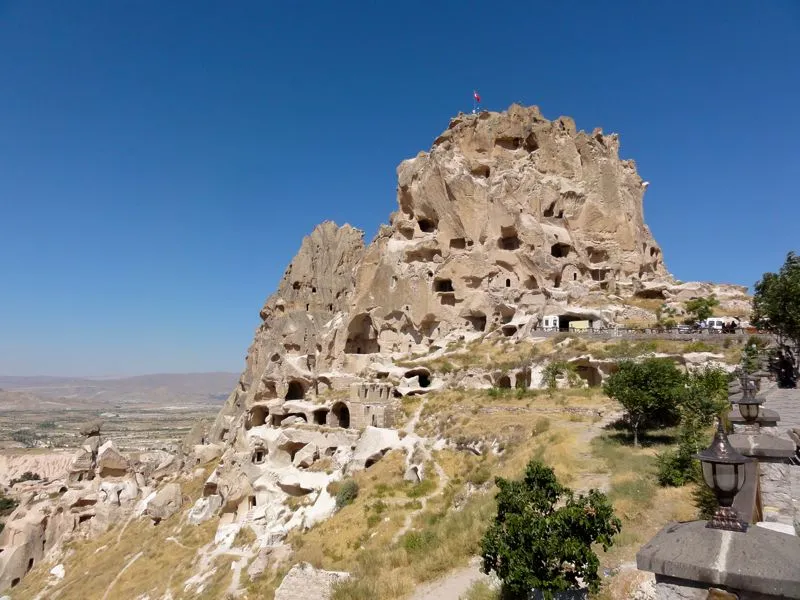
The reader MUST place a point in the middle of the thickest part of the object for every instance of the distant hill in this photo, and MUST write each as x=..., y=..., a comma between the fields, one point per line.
x=157, y=390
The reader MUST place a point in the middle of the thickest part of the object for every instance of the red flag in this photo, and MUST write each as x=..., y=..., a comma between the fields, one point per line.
x=476, y=96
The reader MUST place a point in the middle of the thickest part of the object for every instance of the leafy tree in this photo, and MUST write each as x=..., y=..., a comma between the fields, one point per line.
x=776, y=301
x=556, y=369
x=700, y=309
x=704, y=398
x=665, y=316
x=649, y=391
x=542, y=535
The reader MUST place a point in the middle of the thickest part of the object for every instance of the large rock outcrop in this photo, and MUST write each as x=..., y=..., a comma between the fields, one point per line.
x=508, y=218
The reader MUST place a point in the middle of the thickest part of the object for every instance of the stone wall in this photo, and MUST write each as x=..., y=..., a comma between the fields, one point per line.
x=371, y=393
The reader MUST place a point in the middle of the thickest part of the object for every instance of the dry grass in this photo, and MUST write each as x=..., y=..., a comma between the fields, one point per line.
x=93, y=565
x=638, y=501
x=333, y=543
x=499, y=354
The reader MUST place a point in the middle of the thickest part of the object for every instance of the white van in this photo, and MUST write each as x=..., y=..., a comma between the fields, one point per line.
x=550, y=322
x=715, y=323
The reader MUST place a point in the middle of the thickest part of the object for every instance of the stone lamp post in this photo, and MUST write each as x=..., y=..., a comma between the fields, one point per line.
x=724, y=473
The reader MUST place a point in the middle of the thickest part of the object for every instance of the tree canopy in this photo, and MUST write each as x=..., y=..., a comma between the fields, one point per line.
x=650, y=392
x=776, y=301
x=700, y=309
x=533, y=545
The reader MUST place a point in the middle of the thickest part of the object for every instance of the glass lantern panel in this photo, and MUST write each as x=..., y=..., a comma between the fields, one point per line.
x=708, y=474
x=727, y=480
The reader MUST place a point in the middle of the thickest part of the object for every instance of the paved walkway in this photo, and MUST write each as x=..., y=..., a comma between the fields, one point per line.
x=786, y=403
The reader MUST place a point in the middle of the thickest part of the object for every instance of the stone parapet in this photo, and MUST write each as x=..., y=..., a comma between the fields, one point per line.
x=758, y=564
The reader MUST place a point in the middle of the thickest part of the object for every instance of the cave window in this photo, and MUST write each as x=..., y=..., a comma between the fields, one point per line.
x=295, y=391
x=574, y=277
x=330, y=307
x=443, y=285
x=15, y=582
x=458, y=243
x=548, y=212
x=508, y=283
x=560, y=250
x=508, y=243
x=30, y=564
x=320, y=417
x=361, y=336
x=340, y=415
x=296, y=285
x=481, y=171
x=223, y=434
x=504, y=382
x=258, y=416
x=251, y=501
x=258, y=457
x=426, y=225
x=313, y=290
x=478, y=322
x=447, y=299
x=307, y=305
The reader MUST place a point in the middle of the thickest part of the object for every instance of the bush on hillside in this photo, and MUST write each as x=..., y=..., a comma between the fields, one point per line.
x=543, y=535
x=346, y=494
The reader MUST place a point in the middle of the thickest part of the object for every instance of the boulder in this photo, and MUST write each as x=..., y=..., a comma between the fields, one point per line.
x=167, y=501
x=304, y=581
x=110, y=461
x=306, y=456
x=91, y=428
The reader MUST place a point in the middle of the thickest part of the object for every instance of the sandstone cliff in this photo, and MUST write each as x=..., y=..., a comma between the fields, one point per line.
x=508, y=217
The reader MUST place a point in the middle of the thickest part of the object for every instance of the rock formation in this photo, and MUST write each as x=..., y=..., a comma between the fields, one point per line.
x=508, y=220
x=509, y=217
x=100, y=487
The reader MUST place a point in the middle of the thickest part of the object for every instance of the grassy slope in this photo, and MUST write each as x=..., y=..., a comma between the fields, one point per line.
x=360, y=538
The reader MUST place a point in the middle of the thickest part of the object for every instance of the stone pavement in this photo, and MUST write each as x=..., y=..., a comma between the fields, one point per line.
x=787, y=404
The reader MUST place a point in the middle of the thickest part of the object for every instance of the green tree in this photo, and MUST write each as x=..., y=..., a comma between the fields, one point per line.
x=665, y=316
x=556, y=369
x=649, y=391
x=700, y=309
x=542, y=535
x=704, y=397
x=776, y=302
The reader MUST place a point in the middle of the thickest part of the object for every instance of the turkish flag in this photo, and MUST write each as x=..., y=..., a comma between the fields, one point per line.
x=476, y=96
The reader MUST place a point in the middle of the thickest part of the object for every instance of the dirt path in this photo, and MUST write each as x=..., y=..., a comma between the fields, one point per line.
x=121, y=572
x=442, y=478
x=454, y=585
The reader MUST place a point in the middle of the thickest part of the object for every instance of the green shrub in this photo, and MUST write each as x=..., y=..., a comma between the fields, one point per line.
x=699, y=346
x=418, y=542
x=7, y=505
x=674, y=468
x=348, y=491
x=480, y=475
x=26, y=476
x=423, y=488
x=544, y=537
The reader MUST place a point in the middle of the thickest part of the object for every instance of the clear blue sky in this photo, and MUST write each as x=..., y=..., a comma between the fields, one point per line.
x=161, y=161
